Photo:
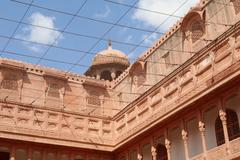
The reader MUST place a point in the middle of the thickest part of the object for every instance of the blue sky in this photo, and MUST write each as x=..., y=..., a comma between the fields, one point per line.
x=46, y=31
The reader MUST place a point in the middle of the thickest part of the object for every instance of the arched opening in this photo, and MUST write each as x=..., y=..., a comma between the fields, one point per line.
x=106, y=75
x=10, y=82
x=138, y=75
x=232, y=126
x=4, y=153
x=53, y=90
x=197, y=30
x=118, y=73
x=161, y=152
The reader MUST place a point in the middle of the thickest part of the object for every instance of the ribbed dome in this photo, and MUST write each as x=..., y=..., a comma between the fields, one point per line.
x=110, y=56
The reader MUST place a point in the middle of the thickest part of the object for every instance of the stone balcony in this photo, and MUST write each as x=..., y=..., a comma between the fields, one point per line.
x=221, y=152
x=211, y=67
x=35, y=124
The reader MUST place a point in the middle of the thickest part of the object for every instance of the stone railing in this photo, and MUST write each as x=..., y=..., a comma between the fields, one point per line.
x=54, y=127
x=201, y=74
x=220, y=152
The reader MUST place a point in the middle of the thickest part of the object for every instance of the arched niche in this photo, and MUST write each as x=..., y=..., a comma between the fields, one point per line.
x=106, y=75
x=193, y=29
x=138, y=73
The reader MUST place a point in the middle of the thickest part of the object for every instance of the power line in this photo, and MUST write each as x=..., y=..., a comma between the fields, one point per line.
x=70, y=33
x=105, y=33
x=16, y=28
x=81, y=65
x=69, y=22
x=140, y=8
x=159, y=27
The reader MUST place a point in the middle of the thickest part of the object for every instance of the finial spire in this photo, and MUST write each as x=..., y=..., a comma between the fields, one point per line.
x=110, y=44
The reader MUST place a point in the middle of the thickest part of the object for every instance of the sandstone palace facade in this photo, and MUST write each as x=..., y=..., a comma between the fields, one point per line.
x=179, y=101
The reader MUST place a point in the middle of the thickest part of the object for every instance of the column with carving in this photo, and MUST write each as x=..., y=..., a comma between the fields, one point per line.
x=168, y=147
x=29, y=154
x=139, y=156
x=223, y=117
x=12, y=154
x=201, y=127
x=185, y=141
x=154, y=153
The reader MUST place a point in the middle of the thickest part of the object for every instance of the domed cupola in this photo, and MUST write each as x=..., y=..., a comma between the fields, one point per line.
x=108, y=64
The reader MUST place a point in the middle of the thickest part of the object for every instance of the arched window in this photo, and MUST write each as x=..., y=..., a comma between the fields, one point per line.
x=139, y=75
x=232, y=126
x=53, y=90
x=197, y=31
x=236, y=4
x=106, y=75
x=161, y=152
x=10, y=82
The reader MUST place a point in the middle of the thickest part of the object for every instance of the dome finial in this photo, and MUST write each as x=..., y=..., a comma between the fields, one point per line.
x=109, y=44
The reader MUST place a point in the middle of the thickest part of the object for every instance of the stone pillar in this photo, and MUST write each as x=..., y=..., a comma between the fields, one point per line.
x=168, y=147
x=201, y=127
x=139, y=156
x=29, y=154
x=98, y=76
x=44, y=155
x=223, y=118
x=113, y=75
x=154, y=153
x=12, y=153
x=185, y=141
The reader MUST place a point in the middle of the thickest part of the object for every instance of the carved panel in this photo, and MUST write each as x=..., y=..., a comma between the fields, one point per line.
x=24, y=122
x=94, y=100
x=66, y=128
x=10, y=84
x=39, y=114
x=93, y=123
x=156, y=101
x=197, y=30
x=51, y=126
x=106, y=124
x=170, y=89
x=7, y=120
x=7, y=110
x=106, y=133
x=24, y=111
x=79, y=130
x=93, y=131
x=38, y=124
x=203, y=65
x=78, y=121
x=54, y=90
x=53, y=116
x=222, y=52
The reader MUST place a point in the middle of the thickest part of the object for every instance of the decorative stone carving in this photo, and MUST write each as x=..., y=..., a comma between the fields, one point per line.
x=222, y=116
x=184, y=135
x=167, y=144
x=154, y=152
x=201, y=126
x=139, y=157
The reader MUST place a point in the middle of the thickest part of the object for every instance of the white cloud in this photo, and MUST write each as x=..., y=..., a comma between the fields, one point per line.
x=163, y=6
x=39, y=34
x=104, y=14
